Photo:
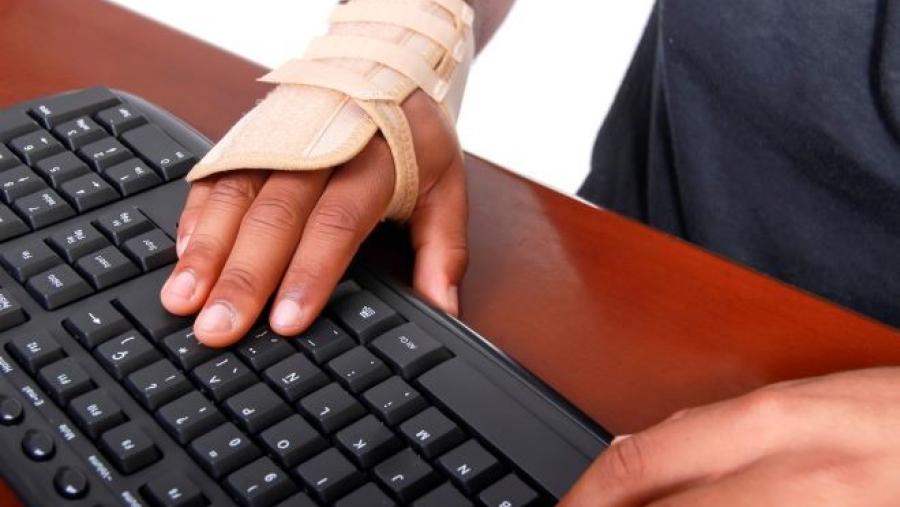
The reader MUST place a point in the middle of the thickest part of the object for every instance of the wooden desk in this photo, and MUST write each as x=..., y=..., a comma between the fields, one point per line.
x=625, y=322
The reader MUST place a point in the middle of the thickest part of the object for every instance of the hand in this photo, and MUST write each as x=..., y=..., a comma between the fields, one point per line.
x=244, y=234
x=826, y=441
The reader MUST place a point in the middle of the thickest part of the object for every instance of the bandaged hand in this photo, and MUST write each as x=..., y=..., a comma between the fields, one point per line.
x=283, y=202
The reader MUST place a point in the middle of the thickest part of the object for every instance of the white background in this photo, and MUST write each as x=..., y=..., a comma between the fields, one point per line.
x=536, y=96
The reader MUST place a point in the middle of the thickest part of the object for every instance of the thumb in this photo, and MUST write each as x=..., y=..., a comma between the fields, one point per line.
x=438, y=228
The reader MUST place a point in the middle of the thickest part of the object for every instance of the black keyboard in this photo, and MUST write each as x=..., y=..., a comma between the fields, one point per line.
x=106, y=399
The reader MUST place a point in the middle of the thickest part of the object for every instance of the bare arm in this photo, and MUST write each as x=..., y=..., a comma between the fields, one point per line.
x=489, y=14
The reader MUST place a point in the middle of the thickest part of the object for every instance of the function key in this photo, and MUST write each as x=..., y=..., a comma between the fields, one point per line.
x=77, y=240
x=260, y=483
x=54, y=110
x=11, y=312
x=35, y=351
x=470, y=466
x=11, y=411
x=132, y=176
x=224, y=450
x=88, y=192
x=14, y=123
x=295, y=377
x=189, y=417
x=95, y=412
x=7, y=159
x=329, y=475
x=10, y=224
x=432, y=433
x=106, y=267
x=263, y=348
x=125, y=354
x=70, y=483
x=27, y=259
x=96, y=325
x=43, y=208
x=358, y=369
x=406, y=475
x=120, y=118
x=18, y=182
x=38, y=445
x=61, y=167
x=169, y=158
x=143, y=307
x=394, y=400
x=409, y=350
x=256, y=408
x=331, y=408
x=183, y=347
x=35, y=146
x=129, y=448
x=173, y=491
x=64, y=380
x=104, y=153
x=324, y=340
x=509, y=491
x=292, y=441
x=223, y=376
x=57, y=287
x=79, y=132
x=151, y=250
x=364, y=315
x=124, y=224
x=157, y=384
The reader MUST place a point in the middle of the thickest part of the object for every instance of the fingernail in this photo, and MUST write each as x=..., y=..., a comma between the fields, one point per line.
x=181, y=243
x=453, y=299
x=217, y=318
x=619, y=438
x=287, y=313
x=181, y=286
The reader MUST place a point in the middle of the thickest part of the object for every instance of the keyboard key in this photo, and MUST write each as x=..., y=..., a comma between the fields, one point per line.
x=27, y=259
x=324, y=341
x=368, y=441
x=43, y=208
x=79, y=132
x=224, y=450
x=18, y=182
x=345, y=288
x=262, y=348
x=331, y=408
x=532, y=447
x=129, y=448
x=106, y=268
x=169, y=158
x=94, y=412
x=131, y=177
x=120, y=118
x=157, y=384
x=125, y=354
x=408, y=349
x=142, y=306
x=367, y=496
x=432, y=433
x=105, y=153
x=189, y=417
x=96, y=325
x=151, y=250
x=471, y=467
x=329, y=475
x=11, y=312
x=57, y=287
x=123, y=224
x=394, y=400
x=256, y=408
x=54, y=110
x=364, y=315
x=7, y=159
x=183, y=347
x=406, y=475
x=61, y=167
x=10, y=224
x=223, y=376
x=358, y=369
x=36, y=145
x=442, y=496
x=260, y=484
x=35, y=351
x=295, y=377
x=509, y=491
x=292, y=441
x=298, y=500
x=64, y=380
x=88, y=192
x=77, y=240
x=14, y=123
x=173, y=491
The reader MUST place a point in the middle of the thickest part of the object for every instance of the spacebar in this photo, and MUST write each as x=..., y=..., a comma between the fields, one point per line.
x=532, y=446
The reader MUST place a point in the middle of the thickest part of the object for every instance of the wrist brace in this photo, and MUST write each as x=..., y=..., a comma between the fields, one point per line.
x=349, y=85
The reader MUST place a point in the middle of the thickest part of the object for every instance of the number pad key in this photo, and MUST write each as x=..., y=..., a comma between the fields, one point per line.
x=88, y=192
x=35, y=352
x=25, y=260
x=95, y=412
x=157, y=384
x=19, y=182
x=224, y=450
x=223, y=376
x=35, y=146
x=57, y=287
x=189, y=417
x=77, y=133
x=124, y=224
x=151, y=250
x=60, y=168
x=170, y=159
x=104, y=153
x=120, y=118
x=126, y=353
x=11, y=312
x=106, y=268
x=10, y=224
x=131, y=177
x=260, y=483
x=129, y=448
x=76, y=241
x=44, y=208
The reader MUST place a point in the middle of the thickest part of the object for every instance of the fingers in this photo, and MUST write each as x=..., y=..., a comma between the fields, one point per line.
x=352, y=204
x=210, y=240
x=438, y=229
x=265, y=244
x=191, y=214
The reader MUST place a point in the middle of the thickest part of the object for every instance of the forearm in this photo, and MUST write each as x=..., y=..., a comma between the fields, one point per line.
x=489, y=14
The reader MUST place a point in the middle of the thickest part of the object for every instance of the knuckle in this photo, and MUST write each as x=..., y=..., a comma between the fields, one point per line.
x=338, y=219
x=627, y=459
x=274, y=213
x=766, y=406
x=238, y=279
x=233, y=189
x=203, y=247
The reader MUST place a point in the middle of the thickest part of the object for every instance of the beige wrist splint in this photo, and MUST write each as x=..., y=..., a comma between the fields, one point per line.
x=349, y=85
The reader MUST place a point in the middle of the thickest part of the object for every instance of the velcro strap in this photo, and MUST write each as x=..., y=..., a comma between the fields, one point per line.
x=332, y=77
x=401, y=59
x=393, y=14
